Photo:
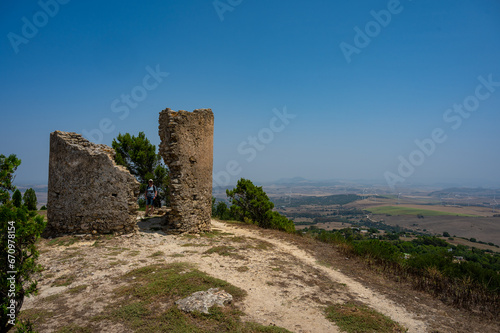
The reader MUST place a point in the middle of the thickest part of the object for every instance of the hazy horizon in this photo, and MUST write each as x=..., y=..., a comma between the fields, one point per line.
x=394, y=92
x=359, y=182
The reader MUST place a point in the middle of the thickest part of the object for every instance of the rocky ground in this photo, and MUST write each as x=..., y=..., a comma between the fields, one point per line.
x=288, y=279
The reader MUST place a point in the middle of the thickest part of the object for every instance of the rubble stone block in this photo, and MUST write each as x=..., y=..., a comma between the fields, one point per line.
x=187, y=149
x=202, y=301
x=88, y=192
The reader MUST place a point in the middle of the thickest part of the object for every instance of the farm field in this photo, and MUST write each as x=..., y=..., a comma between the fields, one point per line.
x=466, y=221
x=422, y=203
x=486, y=229
x=461, y=241
x=462, y=221
x=405, y=210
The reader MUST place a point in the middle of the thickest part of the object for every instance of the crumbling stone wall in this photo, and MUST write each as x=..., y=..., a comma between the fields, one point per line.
x=187, y=149
x=88, y=192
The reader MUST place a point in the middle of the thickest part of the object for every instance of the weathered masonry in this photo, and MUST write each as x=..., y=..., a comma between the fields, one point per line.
x=88, y=192
x=187, y=149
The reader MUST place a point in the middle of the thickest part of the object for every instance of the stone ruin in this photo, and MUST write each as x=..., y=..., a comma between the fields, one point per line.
x=187, y=149
x=88, y=192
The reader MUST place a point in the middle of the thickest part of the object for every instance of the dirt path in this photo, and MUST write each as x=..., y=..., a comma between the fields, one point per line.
x=285, y=285
x=355, y=289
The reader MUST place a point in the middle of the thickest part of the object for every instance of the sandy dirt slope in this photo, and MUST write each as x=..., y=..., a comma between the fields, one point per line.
x=286, y=286
x=300, y=258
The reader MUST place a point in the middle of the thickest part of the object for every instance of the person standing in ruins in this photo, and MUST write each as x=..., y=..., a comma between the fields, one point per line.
x=150, y=196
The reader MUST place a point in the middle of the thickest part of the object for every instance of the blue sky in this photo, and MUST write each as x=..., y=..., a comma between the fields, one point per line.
x=351, y=114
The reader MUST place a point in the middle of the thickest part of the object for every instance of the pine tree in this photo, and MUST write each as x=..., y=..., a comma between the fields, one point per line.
x=29, y=199
x=139, y=156
x=17, y=199
x=8, y=166
x=251, y=203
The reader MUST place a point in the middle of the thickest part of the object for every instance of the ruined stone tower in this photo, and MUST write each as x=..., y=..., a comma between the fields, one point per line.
x=88, y=192
x=187, y=149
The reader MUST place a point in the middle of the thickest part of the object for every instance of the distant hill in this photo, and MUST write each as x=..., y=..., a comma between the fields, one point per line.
x=300, y=181
x=336, y=199
x=477, y=192
x=291, y=180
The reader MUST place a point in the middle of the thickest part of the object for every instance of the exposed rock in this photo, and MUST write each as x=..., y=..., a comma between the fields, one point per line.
x=88, y=193
x=203, y=300
x=187, y=148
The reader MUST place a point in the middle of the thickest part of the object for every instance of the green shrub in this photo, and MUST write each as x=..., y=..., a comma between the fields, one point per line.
x=280, y=222
x=19, y=231
x=142, y=203
x=221, y=211
x=379, y=250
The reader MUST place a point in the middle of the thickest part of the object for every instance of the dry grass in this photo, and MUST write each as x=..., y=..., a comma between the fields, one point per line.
x=64, y=280
x=353, y=318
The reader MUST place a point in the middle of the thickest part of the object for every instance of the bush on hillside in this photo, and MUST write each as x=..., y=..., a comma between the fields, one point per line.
x=19, y=230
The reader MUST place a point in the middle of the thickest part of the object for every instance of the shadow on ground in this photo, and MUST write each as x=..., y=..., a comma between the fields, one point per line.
x=151, y=225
